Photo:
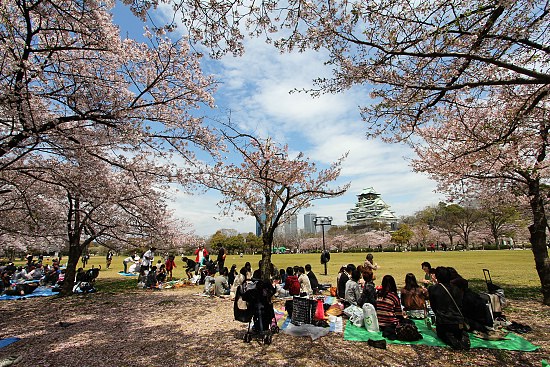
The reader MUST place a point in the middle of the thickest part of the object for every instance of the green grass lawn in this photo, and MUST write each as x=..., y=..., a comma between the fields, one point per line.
x=513, y=270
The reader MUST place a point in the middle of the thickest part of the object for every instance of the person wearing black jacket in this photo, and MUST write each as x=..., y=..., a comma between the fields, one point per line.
x=312, y=279
x=344, y=279
x=446, y=302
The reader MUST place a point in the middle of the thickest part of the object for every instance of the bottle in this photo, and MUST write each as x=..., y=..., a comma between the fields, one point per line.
x=430, y=315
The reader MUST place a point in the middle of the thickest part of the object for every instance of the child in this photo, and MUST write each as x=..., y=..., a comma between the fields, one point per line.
x=170, y=265
x=151, y=281
x=161, y=274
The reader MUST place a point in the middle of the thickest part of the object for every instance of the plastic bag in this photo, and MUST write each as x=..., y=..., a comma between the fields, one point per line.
x=370, y=320
x=355, y=315
x=320, y=311
x=336, y=324
x=314, y=332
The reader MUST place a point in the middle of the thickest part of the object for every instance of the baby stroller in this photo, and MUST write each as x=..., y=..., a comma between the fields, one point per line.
x=253, y=304
x=85, y=281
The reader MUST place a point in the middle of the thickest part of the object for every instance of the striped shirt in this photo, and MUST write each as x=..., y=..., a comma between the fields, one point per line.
x=387, y=308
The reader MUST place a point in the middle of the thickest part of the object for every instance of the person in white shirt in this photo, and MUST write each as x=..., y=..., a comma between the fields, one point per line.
x=303, y=279
x=147, y=259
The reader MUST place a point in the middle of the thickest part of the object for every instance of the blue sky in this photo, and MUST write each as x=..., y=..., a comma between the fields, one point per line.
x=256, y=88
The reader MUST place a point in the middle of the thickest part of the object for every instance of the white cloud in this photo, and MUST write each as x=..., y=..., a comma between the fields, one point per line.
x=256, y=89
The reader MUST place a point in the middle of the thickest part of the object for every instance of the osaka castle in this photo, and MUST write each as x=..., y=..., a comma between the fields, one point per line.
x=370, y=208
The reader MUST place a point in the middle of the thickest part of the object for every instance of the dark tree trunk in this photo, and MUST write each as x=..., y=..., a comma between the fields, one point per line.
x=267, y=239
x=538, y=239
x=75, y=251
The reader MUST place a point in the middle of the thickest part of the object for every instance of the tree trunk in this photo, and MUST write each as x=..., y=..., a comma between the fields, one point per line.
x=75, y=251
x=538, y=239
x=267, y=239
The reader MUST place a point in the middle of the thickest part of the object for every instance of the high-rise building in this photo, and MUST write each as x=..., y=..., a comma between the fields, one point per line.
x=309, y=225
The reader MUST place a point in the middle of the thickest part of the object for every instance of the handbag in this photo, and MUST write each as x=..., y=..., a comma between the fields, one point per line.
x=406, y=330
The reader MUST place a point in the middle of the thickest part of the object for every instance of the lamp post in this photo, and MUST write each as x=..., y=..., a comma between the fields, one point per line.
x=323, y=221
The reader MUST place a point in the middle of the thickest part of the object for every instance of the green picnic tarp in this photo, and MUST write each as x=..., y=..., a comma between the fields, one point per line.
x=512, y=341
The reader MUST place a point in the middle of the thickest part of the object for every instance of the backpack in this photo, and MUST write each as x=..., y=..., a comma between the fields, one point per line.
x=293, y=285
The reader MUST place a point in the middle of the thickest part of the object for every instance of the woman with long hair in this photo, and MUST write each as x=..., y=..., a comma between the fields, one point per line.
x=413, y=297
x=388, y=307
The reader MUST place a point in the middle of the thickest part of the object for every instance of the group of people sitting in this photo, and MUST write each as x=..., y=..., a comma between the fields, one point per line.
x=443, y=291
x=17, y=280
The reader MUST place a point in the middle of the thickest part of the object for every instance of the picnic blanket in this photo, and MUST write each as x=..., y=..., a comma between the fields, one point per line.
x=512, y=341
x=127, y=274
x=38, y=292
x=7, y=341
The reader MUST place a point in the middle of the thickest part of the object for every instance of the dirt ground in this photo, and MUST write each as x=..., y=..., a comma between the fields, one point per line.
x=178, y=328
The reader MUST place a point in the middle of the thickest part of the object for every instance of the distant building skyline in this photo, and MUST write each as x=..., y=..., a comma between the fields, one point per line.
x=309, y=225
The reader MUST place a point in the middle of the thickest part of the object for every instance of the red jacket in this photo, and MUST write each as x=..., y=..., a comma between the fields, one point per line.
x=204, y=254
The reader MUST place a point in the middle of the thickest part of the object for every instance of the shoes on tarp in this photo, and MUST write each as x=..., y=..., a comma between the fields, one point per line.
x=518, y=328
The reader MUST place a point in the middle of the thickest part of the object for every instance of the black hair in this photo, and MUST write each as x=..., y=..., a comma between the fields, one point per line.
x=355, y=275
x=426, y=264
x=442, y=275
x=388, y=285
x=308, y=267
x=410, y=281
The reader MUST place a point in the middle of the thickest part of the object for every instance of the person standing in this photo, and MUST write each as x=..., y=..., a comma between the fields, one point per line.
x=200, y=254
x=109, y=258
x=221, y=258
x=147, y=259
x=85, y=259
x=369, y=262
x=170, y=265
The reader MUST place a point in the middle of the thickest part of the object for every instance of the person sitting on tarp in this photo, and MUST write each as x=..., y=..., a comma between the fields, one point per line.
x=37, y=273
x=353, y=289
x=303, y=279
x=368, y=293
x=312, y=279
x=446, y=300
x=413, y=297
x=292, y=284
x=388, y=307
x=474, y=307
x=343, y=279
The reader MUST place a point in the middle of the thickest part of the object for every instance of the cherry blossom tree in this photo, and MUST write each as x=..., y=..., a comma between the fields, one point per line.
x=500, y=214
x=86, y=200
x=90, y=123
x=457, y=155
x=266, y=182
x=64, y=67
